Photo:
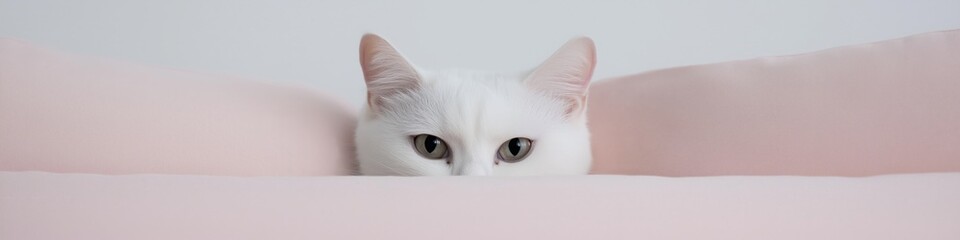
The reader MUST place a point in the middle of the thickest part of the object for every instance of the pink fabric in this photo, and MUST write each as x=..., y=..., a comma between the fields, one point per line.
x=886, y=107
x=64, y=113
x=861, y=110
x=71, y=206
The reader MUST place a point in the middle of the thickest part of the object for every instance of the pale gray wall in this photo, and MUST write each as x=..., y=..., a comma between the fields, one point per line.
x=315, y=42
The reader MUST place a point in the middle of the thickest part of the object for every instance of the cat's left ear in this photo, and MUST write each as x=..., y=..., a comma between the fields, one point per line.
x=566, y=75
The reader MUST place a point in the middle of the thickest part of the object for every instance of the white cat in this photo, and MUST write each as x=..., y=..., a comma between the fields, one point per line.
x=459, y=122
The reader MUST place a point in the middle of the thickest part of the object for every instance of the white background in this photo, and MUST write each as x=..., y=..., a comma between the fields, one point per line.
x=315, y=42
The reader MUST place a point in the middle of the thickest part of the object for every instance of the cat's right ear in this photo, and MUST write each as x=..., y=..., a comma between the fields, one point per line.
x=385, y=71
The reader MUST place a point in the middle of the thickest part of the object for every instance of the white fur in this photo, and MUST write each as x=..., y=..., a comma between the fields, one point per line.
x=474, y=113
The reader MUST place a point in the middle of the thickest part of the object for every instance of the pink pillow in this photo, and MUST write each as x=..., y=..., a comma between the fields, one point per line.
x=887, y=107
x=65, y=113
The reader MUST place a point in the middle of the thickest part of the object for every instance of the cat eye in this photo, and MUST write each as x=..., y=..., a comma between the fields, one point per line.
x=430, y=146
x=514, y=149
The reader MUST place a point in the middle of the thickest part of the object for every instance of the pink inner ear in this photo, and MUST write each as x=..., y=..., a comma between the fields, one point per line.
x=566, y=74
x=385, y=70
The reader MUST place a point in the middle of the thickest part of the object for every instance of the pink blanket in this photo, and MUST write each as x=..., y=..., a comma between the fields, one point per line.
x=884, y=108
x=76, y=206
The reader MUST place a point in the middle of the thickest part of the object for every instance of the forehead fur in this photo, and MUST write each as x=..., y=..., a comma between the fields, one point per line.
x=453, y=104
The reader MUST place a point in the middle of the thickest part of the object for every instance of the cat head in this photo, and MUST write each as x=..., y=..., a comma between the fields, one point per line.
x=457, y=122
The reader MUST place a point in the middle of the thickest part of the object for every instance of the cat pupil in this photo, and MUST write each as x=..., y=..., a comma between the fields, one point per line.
x=514, y=146
x=431, y=143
